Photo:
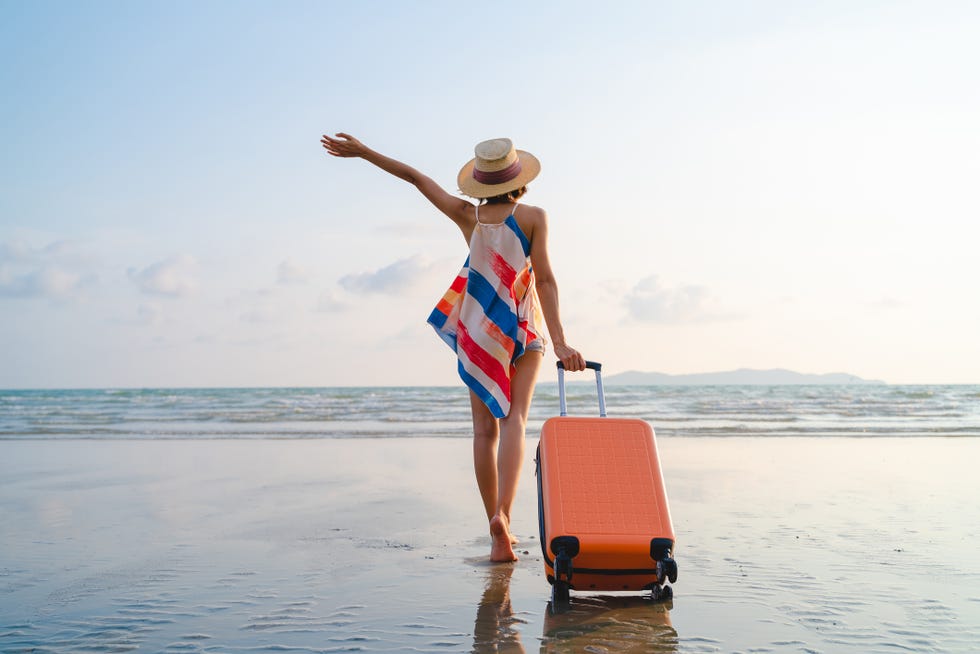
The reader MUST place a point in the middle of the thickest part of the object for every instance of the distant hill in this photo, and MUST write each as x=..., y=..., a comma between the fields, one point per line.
x=740, y=377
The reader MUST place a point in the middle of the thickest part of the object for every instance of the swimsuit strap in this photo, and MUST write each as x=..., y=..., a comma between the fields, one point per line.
x=476, y=210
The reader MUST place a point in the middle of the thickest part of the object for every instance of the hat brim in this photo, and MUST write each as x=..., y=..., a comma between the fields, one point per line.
x=530, y=167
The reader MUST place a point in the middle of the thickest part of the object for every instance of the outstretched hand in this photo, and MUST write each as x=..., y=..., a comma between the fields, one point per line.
x=571, y=358
x=343, y=145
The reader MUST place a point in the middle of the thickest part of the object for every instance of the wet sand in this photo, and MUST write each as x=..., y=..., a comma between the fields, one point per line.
x=784, y=545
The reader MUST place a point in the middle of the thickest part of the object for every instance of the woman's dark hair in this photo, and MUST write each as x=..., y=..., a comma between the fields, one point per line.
x=507, y=198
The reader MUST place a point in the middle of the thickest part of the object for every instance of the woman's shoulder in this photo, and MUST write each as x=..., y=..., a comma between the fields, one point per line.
x=531, y=213
x=531, y=218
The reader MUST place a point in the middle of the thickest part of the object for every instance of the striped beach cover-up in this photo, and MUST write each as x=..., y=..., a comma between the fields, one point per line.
x=491, y=312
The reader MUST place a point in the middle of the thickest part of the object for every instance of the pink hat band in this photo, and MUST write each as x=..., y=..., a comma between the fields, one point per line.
x=498, y=176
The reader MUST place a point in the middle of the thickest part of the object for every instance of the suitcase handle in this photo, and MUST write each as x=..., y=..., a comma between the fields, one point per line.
x=593, y=365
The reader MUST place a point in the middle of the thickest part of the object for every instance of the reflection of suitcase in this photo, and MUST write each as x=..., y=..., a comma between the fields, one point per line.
x=602, y=506
x=623, y=624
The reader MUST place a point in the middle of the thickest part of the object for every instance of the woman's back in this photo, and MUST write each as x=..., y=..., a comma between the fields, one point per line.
x=527, y=217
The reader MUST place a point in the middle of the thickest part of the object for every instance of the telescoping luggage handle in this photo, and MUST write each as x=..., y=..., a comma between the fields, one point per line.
x=598, y=384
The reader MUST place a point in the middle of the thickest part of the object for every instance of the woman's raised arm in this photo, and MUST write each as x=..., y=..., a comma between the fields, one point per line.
x=459, y=210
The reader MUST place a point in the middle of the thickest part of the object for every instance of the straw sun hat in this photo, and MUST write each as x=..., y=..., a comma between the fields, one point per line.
x=497, y=169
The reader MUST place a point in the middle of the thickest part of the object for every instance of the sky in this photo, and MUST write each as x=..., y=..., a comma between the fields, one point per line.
x=757, y=184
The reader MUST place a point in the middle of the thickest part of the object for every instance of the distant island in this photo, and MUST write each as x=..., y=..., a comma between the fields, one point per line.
x=740, y=377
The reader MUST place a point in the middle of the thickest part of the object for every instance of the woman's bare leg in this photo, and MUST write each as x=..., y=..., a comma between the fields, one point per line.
x=486, y=434
x=510, y=455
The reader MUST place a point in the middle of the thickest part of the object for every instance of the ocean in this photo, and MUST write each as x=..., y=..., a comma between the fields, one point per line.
x=406, y=412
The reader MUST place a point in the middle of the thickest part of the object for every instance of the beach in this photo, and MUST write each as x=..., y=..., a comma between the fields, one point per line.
x=783, y=544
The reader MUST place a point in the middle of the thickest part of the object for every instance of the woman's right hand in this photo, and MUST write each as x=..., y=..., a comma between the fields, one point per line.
x=343, y=145
x=571, y=358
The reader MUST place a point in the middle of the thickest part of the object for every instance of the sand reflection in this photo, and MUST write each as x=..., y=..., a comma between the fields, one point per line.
x=610, y=623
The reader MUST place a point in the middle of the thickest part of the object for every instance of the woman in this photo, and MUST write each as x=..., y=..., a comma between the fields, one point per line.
x=491, y=314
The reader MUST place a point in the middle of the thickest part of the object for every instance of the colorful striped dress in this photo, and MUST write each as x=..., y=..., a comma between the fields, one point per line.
x=491, y=312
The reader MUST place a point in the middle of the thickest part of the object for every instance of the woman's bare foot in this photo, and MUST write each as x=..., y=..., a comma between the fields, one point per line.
x=501, y=550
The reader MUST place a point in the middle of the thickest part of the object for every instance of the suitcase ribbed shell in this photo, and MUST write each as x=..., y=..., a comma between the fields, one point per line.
x=601, y=483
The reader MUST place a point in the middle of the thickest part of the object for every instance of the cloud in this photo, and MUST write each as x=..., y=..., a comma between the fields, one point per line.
x=651, y=301
x=328, y=303
x=55, y=271
x=48, y=281
x=64, y=252
x=169, y=278
x=390, y=280
x=16, y=252
x=292, y=273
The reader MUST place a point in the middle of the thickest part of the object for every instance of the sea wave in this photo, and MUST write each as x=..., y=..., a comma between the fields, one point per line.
x=406, y=412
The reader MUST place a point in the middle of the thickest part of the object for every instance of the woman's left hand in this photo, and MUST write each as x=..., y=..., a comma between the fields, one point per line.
x=571, y=358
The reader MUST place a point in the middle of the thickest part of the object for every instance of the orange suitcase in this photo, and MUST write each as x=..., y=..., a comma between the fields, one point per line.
x=602, y=506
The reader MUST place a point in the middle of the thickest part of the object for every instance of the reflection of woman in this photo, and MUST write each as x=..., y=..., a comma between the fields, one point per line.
x=613, y=623
x=494, y=629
